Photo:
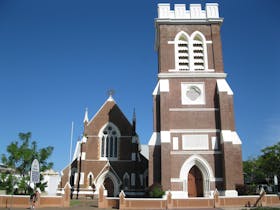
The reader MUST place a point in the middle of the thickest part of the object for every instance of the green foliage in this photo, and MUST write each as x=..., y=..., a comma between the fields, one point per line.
x=6, y=183
x=263, y=168
x=20, y=155
x=270, y=160
x=155, y=191
x=252, y=171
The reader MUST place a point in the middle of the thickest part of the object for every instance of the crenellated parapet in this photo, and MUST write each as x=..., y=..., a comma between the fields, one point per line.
x=195, y=11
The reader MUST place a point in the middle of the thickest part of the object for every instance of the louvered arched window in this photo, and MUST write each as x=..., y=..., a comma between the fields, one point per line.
x=182, y=52
x=198, y=53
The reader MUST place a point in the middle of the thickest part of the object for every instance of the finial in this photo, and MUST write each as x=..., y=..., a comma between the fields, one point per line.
x=86, y=116
x=134, y=123
x=111, y=92
x=134, y=115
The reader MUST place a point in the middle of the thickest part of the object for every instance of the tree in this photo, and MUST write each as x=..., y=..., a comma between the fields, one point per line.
x=270, y=161
x=20, y=155
x=252, y=171
x=261, y=170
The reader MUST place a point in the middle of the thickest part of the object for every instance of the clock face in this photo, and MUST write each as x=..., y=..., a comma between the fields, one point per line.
x=193, y=92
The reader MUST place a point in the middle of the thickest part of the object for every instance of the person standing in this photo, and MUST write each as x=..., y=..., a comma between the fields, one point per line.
x=33, y=199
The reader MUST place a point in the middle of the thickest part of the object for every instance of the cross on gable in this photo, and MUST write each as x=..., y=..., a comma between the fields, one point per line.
x=111, y=92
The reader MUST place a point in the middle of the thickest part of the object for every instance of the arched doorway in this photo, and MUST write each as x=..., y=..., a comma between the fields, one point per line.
x=195, y=182
x=205, y=171
x=109, y=186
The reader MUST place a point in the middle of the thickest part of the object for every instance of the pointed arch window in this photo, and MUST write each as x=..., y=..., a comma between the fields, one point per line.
x=182, y=52
x=190, y=52
x=90, y=179
x=109, y=142
x=126, y=181
x=198, y=53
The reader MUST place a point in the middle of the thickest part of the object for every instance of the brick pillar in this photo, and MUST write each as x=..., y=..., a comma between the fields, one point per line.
x=122, y=200
x=169, y=200
x=101, y=197
x=66, y=195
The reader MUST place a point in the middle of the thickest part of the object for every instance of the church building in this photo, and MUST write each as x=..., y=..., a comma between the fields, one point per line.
x=194, y=148
x=109, y=155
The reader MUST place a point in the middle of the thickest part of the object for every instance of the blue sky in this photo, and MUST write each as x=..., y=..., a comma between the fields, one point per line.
x=59, y=57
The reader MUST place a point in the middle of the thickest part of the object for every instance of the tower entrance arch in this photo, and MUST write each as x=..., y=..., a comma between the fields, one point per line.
x=196, y=173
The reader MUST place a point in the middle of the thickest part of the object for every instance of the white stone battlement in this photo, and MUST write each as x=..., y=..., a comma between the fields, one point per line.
x=195, y=12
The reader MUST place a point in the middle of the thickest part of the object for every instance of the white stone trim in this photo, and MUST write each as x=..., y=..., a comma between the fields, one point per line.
x=77, y=150
x=86, y=116
x=175, y=143
x=230, y=136
x=83, y=156
x=176, y=180
x=105, y=160
x=202, y=71
x=207, y=42
x=198, y=152
x=229, y=193
x=84, y=139
x=223, y=86
x=193, y=109
x=194, y=12
x=186, y=86
x=194, y=130
x=82, y=177
x=216, y=179
x=195, y=142
x=180, y=195
x=156, y=90
x=181, y=74
x=188, y=21
x=165, y=136
x=214, y=143
x=164, y=85
x=155, y=139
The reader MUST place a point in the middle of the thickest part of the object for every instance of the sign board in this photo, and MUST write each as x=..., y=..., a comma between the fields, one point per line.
x=35, y=171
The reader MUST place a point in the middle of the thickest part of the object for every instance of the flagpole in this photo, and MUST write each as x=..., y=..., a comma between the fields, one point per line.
x=70, y=153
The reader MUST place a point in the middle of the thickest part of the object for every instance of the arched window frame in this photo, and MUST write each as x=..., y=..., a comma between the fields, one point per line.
x=190, y=40
x=204, y=53
x=90, y=178
x=109, y=142
x=177, y=48
x=126, y=181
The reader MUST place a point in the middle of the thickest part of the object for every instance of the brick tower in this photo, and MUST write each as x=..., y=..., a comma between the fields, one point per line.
x=194, y=148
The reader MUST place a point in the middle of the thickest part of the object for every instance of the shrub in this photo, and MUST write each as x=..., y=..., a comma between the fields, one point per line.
x=156, y=191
